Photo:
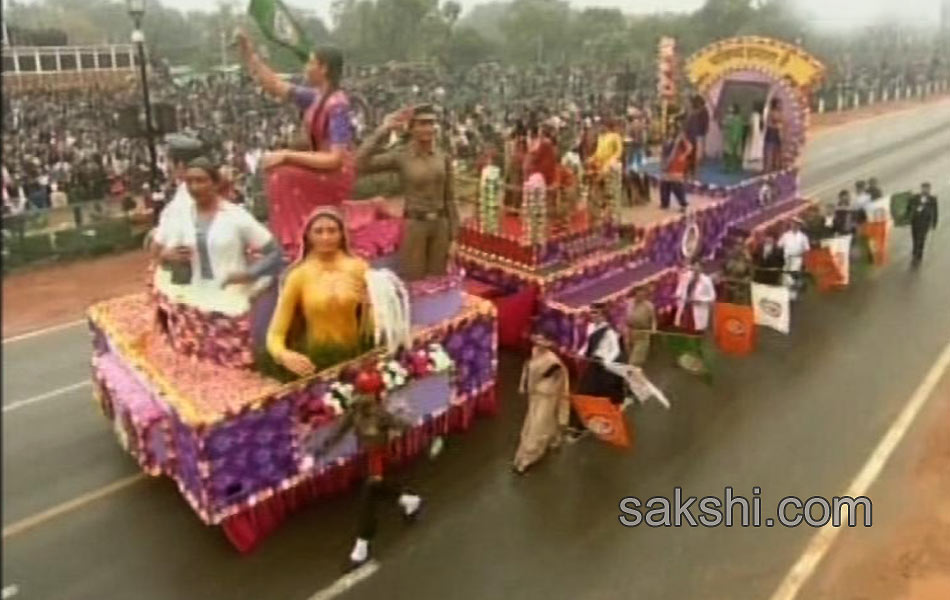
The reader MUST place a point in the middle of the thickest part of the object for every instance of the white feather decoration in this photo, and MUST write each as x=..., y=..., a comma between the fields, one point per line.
x=389, y=300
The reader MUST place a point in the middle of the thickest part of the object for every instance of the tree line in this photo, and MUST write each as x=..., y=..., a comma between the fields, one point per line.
x=515, y=32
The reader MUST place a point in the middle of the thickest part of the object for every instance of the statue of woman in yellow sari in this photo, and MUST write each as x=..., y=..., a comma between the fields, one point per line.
x=322, y=316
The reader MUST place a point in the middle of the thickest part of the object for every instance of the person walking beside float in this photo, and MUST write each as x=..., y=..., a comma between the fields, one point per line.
x=546, y=383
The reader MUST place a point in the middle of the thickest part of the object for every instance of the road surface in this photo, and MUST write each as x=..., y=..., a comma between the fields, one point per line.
x=800, y=417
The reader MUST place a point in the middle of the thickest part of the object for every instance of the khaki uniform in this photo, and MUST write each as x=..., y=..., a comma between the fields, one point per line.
x=641, y=320
x=432, y=219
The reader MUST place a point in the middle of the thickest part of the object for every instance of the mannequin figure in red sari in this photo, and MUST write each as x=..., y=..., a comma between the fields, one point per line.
x=298, y=181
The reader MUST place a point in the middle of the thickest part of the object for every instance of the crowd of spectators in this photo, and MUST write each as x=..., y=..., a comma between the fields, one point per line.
x=66, y=147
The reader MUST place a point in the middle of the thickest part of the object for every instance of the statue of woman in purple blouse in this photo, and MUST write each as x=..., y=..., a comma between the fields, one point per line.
x=323, y=173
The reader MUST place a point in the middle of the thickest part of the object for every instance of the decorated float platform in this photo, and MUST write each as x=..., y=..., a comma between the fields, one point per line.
x=544, y=272
x=646, y=249
x=177, y=384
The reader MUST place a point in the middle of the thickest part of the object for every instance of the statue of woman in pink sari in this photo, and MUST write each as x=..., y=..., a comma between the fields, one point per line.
x=322, y=172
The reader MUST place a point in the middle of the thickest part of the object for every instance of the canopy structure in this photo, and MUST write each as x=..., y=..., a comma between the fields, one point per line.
x=751, y=72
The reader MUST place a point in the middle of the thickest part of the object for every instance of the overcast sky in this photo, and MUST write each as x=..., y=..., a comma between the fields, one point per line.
x=827, y=13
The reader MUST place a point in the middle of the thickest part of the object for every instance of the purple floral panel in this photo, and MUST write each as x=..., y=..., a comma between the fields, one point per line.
x=186, y=449
x=250, y=453
x=422, y=398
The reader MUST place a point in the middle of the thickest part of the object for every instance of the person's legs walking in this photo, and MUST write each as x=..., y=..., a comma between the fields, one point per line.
x=378, y=488
x=679, y=190
x=919, y=237
x=366, y=522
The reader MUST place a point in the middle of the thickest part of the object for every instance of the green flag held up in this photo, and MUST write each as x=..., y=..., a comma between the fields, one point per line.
x=899, y=208
x=279, y=26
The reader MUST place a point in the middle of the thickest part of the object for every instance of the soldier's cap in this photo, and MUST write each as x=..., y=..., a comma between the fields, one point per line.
x=183, y=148
x=424, y=112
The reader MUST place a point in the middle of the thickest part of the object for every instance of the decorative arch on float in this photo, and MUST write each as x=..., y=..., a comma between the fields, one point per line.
x=786, y=71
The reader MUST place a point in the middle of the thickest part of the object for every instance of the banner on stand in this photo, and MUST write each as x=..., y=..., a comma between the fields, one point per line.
x=878, y=236
x=603, y=419
x=878, y=210
x=772, y=306
x=840, y=248
x=735, y=329
x=821, y=266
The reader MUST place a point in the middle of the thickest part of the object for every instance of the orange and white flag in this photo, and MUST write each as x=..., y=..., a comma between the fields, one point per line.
x=603, y=419
x=735, y=329
x=840, y=248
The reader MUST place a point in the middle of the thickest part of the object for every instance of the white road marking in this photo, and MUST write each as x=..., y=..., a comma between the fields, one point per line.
x=47, y=396
x=822, y=540
x=70, y=505
x=44, y=331
x=10, y=591
x=343, y=584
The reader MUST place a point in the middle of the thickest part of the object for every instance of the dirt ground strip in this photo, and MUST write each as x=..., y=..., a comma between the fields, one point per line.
x=830, y=120
x=51, y=295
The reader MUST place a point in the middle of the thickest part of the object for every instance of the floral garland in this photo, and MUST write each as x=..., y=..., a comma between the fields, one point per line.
x=535, y=210
x=489, y=205
x=384, y=378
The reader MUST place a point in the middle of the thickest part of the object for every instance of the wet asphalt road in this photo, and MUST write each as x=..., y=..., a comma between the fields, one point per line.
x=797, y=418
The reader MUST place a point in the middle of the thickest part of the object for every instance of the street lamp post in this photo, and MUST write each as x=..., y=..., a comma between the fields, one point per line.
x=626, y=89
x=136, y=10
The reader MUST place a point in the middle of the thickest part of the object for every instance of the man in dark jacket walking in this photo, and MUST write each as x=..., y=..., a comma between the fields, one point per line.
x=922, y=214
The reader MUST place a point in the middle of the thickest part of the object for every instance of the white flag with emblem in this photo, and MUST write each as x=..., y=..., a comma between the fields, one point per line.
x=771, y=306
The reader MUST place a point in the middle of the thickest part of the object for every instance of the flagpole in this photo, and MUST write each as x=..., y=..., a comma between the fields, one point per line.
x=6, y=32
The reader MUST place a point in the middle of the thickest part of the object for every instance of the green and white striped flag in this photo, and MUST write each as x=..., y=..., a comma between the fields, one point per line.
x=279, y=26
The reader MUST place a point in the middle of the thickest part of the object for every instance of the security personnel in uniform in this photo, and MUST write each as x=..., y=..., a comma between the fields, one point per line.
x=922, y=214
x=425, y=171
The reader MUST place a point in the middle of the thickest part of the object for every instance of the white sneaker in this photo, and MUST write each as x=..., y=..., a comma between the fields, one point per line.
x=410, y=504
x=360, y=553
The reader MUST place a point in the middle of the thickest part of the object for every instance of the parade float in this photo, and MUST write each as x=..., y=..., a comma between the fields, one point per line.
x=173, y=373
x=546, y=275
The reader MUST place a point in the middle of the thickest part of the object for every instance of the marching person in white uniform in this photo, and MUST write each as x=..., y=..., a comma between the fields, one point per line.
x=794, y=244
